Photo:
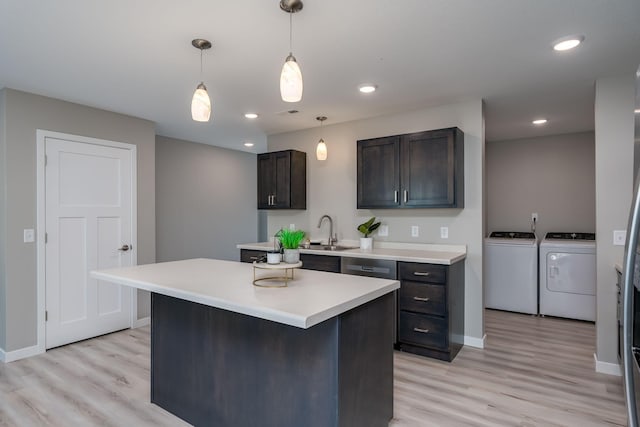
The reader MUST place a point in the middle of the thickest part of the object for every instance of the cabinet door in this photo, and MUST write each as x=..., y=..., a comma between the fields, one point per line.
x=265, y=180
x=282, y=180
x=379, y=173
x=428, y=169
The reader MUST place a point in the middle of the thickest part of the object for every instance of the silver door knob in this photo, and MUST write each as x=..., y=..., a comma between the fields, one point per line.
x=125, y=248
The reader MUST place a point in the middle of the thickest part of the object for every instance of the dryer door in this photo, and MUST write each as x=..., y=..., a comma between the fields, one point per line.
x=572, y=273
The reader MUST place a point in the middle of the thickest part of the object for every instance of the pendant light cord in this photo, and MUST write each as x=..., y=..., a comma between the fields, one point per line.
x=290, y=33
x=201, y=65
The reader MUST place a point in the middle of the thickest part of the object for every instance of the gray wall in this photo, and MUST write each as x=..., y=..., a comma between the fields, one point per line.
x=614, y=186
x=205, y=200
x=553, y=176
x=331, y=189
x=3, y=168
x=24, y=114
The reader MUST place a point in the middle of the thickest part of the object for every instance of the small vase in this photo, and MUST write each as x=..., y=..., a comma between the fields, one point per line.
x=366, y=243
x=291, y=256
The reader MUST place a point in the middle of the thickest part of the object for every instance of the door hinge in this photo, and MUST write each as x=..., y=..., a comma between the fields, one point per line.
x=46, y=316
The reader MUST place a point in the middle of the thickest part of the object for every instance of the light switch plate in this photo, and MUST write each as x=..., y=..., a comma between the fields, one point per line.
x=383, y=231
x=415, y=231
x=444, y=232
x=619, y=237
x=29, y=235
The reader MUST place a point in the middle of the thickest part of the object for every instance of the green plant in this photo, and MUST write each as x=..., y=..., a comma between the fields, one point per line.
x=369, y=227
x=290, y=239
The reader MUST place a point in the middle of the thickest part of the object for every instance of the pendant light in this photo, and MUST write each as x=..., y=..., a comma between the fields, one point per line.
x=291, y=76
x=321, y=149
x=201, y=104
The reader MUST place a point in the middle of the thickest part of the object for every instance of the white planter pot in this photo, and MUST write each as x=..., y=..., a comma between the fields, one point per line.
x=274, y=257
x=366, y=243
x=291, y=256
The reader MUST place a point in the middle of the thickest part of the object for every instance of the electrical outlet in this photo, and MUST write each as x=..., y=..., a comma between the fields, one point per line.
x=619, y=237
x=29, y=235
x=444, y=232
x=415, y=231
x=383, y=231
x=534, y=216
x=292, y=226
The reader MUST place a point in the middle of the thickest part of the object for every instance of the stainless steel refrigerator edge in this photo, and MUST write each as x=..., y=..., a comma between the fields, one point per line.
x=631, y=272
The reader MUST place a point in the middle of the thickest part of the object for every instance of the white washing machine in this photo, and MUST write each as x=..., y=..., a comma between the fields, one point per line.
x=568, y=275
x=511, y=271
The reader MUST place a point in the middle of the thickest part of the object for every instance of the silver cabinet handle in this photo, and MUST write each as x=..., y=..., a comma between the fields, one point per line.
x=255, y=258
x=422, y=331
x=125, y=248
x=420, y=273
x=395, y=196
x=406, y=196
x=421, y=299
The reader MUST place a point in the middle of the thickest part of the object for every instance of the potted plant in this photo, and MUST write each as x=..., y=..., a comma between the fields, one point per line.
x=367, y=228
x=290, y=241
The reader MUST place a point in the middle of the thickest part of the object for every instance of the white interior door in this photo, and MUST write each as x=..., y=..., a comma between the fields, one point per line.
x=89, y=219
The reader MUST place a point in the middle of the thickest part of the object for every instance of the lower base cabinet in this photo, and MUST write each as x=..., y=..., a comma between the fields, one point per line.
x=430, y=303
x=431, y=309
x=309, y=261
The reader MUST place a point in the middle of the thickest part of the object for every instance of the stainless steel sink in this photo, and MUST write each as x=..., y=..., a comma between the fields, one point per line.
x=331, y=247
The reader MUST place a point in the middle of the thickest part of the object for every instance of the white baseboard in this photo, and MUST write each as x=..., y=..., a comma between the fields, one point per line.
x=475, y=342
x=607, y=368
x=141, y=322
x=10, y=356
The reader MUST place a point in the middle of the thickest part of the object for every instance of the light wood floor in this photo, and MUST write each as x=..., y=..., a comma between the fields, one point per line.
x=533, y=372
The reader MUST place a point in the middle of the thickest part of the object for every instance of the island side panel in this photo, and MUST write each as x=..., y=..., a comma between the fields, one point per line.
x=366, y=364
x=215, y=367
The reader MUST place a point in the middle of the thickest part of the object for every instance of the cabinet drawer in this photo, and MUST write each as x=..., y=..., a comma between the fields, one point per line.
x=422, y=330
x=249, y=255
x=417, y=272
x=423, y=298
x=320, y=262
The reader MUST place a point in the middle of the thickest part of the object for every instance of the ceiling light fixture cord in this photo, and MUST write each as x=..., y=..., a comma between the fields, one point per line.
x=290, y=33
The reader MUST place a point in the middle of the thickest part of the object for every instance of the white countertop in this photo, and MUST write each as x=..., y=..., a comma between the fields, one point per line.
x=431, y=254
x=311, y=298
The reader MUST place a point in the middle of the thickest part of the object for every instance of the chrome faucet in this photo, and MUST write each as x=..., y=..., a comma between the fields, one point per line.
x=332, y=239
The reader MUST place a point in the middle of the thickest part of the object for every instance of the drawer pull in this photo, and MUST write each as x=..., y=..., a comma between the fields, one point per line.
x=422, y=331
x=420, y=273
x=421, y=299
x=254, y=258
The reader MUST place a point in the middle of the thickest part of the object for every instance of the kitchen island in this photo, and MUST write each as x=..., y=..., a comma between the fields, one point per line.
x=318, y=352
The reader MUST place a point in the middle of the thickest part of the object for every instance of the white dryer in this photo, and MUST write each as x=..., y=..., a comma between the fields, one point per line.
x=568, y=275
x=511, y=271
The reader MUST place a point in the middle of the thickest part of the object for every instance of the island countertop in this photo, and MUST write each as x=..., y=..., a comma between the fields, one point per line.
x=311, y=298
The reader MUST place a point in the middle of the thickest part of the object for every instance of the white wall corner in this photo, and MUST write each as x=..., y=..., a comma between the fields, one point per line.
x=139, y=323
x=22, y=353
x=474, y=341
x=606, y=367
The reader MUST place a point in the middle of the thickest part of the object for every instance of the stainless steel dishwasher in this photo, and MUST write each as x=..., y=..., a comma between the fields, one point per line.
x=380, y=268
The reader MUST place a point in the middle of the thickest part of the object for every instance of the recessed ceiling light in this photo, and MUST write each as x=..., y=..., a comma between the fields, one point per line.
x=567, y=43
x=539, y=121
x=367, y=88
x=248, y=144
x=251, y=115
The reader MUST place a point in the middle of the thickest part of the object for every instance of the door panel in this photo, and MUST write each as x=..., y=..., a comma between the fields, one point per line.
x=89, y=216
x=573, y=273
x=379, y=173
x=282, y=191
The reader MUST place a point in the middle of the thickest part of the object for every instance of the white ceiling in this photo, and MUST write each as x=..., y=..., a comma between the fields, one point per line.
x=136, y=58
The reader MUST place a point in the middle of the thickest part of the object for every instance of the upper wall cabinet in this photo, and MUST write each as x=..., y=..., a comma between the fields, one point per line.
x=417, y=170
x=282, y=180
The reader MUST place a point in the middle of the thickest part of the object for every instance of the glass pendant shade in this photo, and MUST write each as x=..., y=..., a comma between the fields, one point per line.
x=321, y=150
x=201, y=104
x=291, y=80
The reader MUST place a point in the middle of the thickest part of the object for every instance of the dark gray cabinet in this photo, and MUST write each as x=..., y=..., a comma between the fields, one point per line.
x=431, y=309
x=282, y=180
x=328, y=263
x=417, y=170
